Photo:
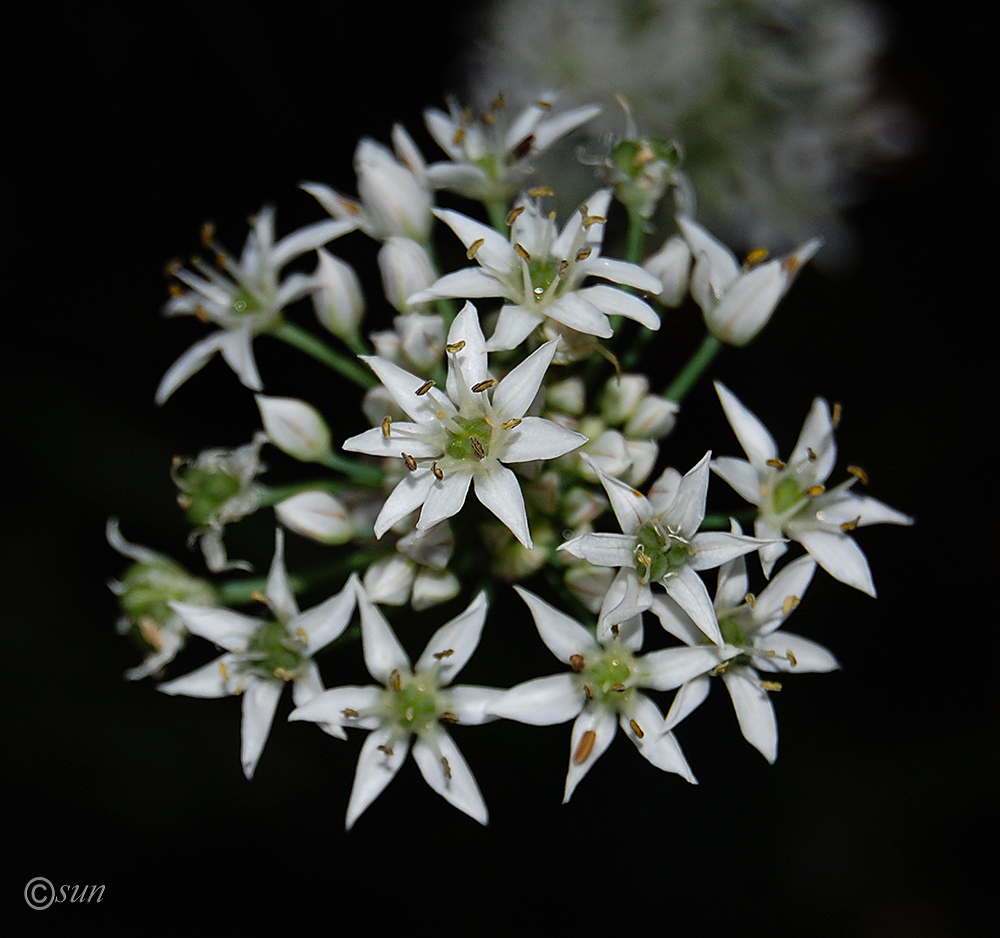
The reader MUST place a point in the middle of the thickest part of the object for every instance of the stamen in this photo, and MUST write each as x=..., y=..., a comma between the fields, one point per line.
x=151, y=634
x=498, y=102
x=446, y=767
x=539, y=191
x=814, y=490
x=589, y=220
x=258, y=597
x=175, y=290
x=513, y=213
x=447, y=716
x=773, y=686
x=562, y=268
x=618, y=688
x=352, y=208
x=386, y=749
x=483, y=385
x=776, y=464
x=636, y=729
x=478, y=449
x=438, y=474
x=409, y=462
x=790, y=264
x=425, y=387
x=489, y=118
x=756, y=256
x=523, y=148
x=750, y=600
x=224, y=671
x=459, y=136
x=455, y=346
x=474, y=248
x=447, y=653
x=284, y=674
x=789, y=604
x=349, y=713
x=859, y=473
x=585, y=747
x=510, y=424
x=851, y=525
x=395, y=681
x=301, y=632
x=615, y=630
x=544, y=104
x=838, y=412
x=584, y=253
x=792, y=660
x=576, y=662
x=386, y=425
x=522, y=253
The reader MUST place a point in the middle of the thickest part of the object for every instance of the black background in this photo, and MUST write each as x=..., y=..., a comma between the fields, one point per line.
x=127, y=130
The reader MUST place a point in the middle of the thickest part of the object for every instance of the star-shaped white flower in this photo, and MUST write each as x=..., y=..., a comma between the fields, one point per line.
x=491, y=158
x=752, y=644
x=738, y=302
x=262, y=655
x=243, y=297
x=411, y=707
x=602, y=691
x=540, y=272
x=660, y=543
x=465, y=436
x=792, y=499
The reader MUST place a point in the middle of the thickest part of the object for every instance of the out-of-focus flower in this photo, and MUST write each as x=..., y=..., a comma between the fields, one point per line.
x=294, y=427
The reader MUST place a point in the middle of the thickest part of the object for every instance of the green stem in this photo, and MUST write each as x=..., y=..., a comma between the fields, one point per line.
x=692, y=371
x=636, y=237
x=497, y=212
x=358, y=472
x=306, y=342
x=272, y=494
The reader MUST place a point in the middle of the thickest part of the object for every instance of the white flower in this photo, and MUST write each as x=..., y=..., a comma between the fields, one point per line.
x=738, y=301
x=540, y=271
x=602, y=690
x=243, y=297
x=752, y=644
x=463, y=437
x=406, y=268
x=792, y=499
x=393, y=191
x=294, y=427
x=490, y=158
x=262, y=655
x=410, y=707
x=660, y=543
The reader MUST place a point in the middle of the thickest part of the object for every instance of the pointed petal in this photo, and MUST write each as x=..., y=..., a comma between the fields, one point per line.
x=713, y=548
x=741, y=475
x=779, y=649
x=578, y=313
x=403, y=387
x=444, y=768
x=376, y=768
x=327, y=621
x=280, y=598
x=660, y=748
x=563, y=635
x=687, y=699
x=676, y=621
x=498, y=489
x=753, y=436
x=631, y=275
x=514, y=325
x=603, y=550
x=688, y=591
x=625, y=600
x=672, y=667
x=542, y=701
x=445, y=498
x=228, y=629
x=473, y=704
x=382, y=651
x=518, y=389
x=210, y=680
x=603, y=724
x=406, y=497
x=237, y=349
x=631, y=507
x=688, y=509
x=538, y=438
x=414, y=439
x=754, y=710
x=816, y=437
x=773, y=606
x=192, y=361
x=333, y=707
x=839, y=555
x=459, y=636
x=615, y=302
x=260, y=700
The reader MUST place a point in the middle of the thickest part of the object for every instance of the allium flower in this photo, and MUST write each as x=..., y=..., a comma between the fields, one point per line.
x=752, y=644
x=603, y=690
x=540, y=272
x=243, y=297
x=410, y=707
x=465, y=436
x=145, y=592
x=262, y=655
x=738, y=301
x=792, y=499
x=490, y=158
x=660, y=543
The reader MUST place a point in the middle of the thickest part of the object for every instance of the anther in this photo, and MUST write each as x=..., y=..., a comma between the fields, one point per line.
x=812, y=454
x=223, y=670
x=386, y=749
x=349, y=713
x=636, y=729
x=510, y=424
x=587, y=692
x=489, y=118
x=838, y=412
x=386, y=426
x=258, y=597
x=615, y=630
x=301, y=633
x=409, y=462
x=851, y=525
x=478, y=450
x=438, y=473
x=474, y=248
x=150, y=632
x=576, y=662
x=455, y=346
x=207, y=233
x=446, y=767
x=539, y=191
x=585, y=747
x=583, y=254
x=589, y=220
x=425, y=387
x=284, y=674
x=790, y=264
x=483, y=385
x=447, y=716
x=447, y=653
x=814, y=490
x=750, y=600
x=513, y=213
x=352, y=208
x=618, y=688
x=175, y=290
x=522, y=252
x=523, y=148
x=789, y=604
x=459, y=136
x=859, y=474
x=498, y=102
x=773, y=686
x=395, y=682
x=792, y=660
x=563, y=267
x=756, y=256
x=544, y=104
x=776, y=464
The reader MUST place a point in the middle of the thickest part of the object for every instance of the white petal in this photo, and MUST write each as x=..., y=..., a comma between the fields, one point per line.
x=757, y=443
x=631, y=275
x=603, y=550
x=514, y=325
x=615, y=302
x=688, y=509
x=445, y=498
x=659, y=747
x=382, y=651
x=498, y=489
x=676, y=621
x=406, y=497
x=518, y=389
x=237, y=349
x=414, y=439
x=839, y=555
x=671, y=667
x=460, y=636
x=260, y=700
x=780, y=649
x=578, y=313
x=687, y=699
x=403, y=387
x=467, y=283
x=625, y=600
x=816, y=437
x=446, y=771
x=791, y=582
x=280, y=598
x=631, y=507
x=542, y=701
x=376, y=769
x=733, y=583
x=467, y=366
x=742, y=476
x=327, y=621
x=207, y=681
x=472, y=704
x=688, y=591
x=563, y=635
x=228, y=629
x=495, y=253
x=538, y=438
x=329, y=707
x=754, y=710
x=192, y=361
x=603, y=724
x=713, y=548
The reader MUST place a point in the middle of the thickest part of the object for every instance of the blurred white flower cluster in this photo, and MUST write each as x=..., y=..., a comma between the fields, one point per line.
x=776, y=104
x=546, y=401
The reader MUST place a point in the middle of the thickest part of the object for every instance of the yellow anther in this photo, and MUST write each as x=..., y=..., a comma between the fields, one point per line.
x=584, y=253
x=522, y=253
x=483, y=385
x=618, y=688
x=409, y=461
x=851, y=525
x=447, y=653
x=773, y=686
x=789, y=604
x=776, y=464
x=539, y=191
x=791, y=264
x=510, y=424
x=425, y=387
x=498, y=102
x=489, y=118
x=474, y=248
x=151, y=634
x=447, y=716
x=459, y=136
x=199, y=312
x=643, y=155
x=395, y=681
x=838, y=412
x=438, y=473
x=586, y=691
x=756, y=256
x=258, y=597
x=220, y=258
x=175, y=290
x=544, y=104
x=792, y=660
x=455, y=346
x=585, y=747
x=284, y=674
x=349, y=713
x=513, y=213
x=636, y=729
x=224, y=671
x=750, y=600
x=352, y=208
x=207, y=233
x=589, y=220
x=859, y=474
x=478, y=450
x=301, y=633
x=815, y=490
x=387, y=427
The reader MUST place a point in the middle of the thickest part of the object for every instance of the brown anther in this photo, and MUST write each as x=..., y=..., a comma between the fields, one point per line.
x=478, y=450
x=586, y=690
x=562, y=268
x=756, y=256
x=459, y=136
x=589, y=220
x=386, y=427
x=510, y=424
x=618, y=688
x=513, y=213
x=447, y=653
x=790, y=264
x=776, y=464
x=720, y=668
x=522, y=253
x=615, y=630
x=789, y=604
x=773, y=686
x=792, y=660
x=349, y=713
x=199, y=312
x=446, y=716
x=838, y=412
x=175, y=290
x=446, y=767
x=859, y=474
x=207, y=233
x=258, y=597
x=438, y=472
x=455, y=346
x=352, y=208
x=815, y=490
x=523, y=148
x=750, y=600
x=483, y=385
x=150, y=633
x=395, y=681
x=172, y=268
x=539, y=191
x=576, y=662
x=474, y=248
x=386, y=749
x=409, y=462
x=851, y=525
x=489, y=118
x=584, y=748
x=584, y=253
x=544, y=105
x=498, y=102
x=636, y=729
x=812, y=454
x=425, y=387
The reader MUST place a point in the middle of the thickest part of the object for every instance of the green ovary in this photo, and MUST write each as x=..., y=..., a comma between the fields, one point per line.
x=658, y=554
x=416, y=706
x=460, y=445
x=542, y=271
x=271, y=654
x=732, y=632
x=244, y=304
x=607, y=678
x=204, y=493
x=787, y=494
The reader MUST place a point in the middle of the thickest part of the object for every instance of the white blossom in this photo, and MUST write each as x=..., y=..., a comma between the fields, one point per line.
x=294, y=427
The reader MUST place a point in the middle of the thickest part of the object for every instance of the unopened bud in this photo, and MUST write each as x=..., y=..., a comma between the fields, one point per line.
x=295, y=427
x=316, y=515
x=338, y=299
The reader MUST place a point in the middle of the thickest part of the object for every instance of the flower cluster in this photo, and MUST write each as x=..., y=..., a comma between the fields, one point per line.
x=553, y=422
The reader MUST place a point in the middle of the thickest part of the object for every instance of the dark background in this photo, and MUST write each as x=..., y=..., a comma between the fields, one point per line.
x=129, y=130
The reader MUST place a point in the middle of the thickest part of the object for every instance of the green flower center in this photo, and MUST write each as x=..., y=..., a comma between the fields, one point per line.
x=606, y=679
x=786, y=495
x=415, y=705
x=272, y=653
x=732, y=631
x=204, y=493
x=471, y=441
x=244, y=304
x=658, y=554
x=543, y=271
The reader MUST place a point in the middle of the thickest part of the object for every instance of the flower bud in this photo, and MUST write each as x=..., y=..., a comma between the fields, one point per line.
x=568, y=396
x=406, y=269
x=431, y=587
x=388, y=580
x=653, y=418
x=316, y=515
x=671, y=266
x=620, y=398
x=642, y=457
x=294, y=427
x=337, y=299
x=392, y=195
